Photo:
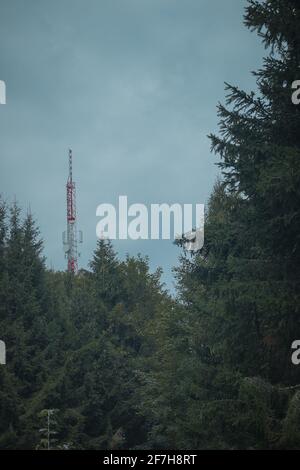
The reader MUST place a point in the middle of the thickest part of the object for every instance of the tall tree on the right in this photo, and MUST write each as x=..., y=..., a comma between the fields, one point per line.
x=241, y=292
x=259, y=146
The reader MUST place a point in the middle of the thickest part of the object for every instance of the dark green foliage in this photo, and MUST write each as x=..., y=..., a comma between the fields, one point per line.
x=73, y=343
x=224, y=376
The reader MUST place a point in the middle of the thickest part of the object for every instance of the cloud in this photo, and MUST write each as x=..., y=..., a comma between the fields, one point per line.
x=132, y=87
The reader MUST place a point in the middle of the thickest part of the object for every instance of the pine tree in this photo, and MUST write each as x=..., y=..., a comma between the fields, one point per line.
x=107, y=273
x=240, y=294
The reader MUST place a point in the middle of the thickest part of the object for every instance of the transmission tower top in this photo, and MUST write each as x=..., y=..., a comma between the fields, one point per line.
x=70, y=165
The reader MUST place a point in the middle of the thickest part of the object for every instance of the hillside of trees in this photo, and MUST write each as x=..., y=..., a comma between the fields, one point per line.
x=121, y=363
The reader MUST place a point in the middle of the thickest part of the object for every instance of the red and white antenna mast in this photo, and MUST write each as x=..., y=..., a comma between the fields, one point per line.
x=70, y=239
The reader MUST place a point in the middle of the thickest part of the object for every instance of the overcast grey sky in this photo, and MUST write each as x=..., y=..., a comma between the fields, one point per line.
x=132, y=87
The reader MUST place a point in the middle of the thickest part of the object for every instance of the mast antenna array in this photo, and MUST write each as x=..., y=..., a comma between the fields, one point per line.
x=71, y=237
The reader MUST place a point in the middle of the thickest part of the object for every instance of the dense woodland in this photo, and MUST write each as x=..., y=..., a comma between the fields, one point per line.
x=125, y=365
